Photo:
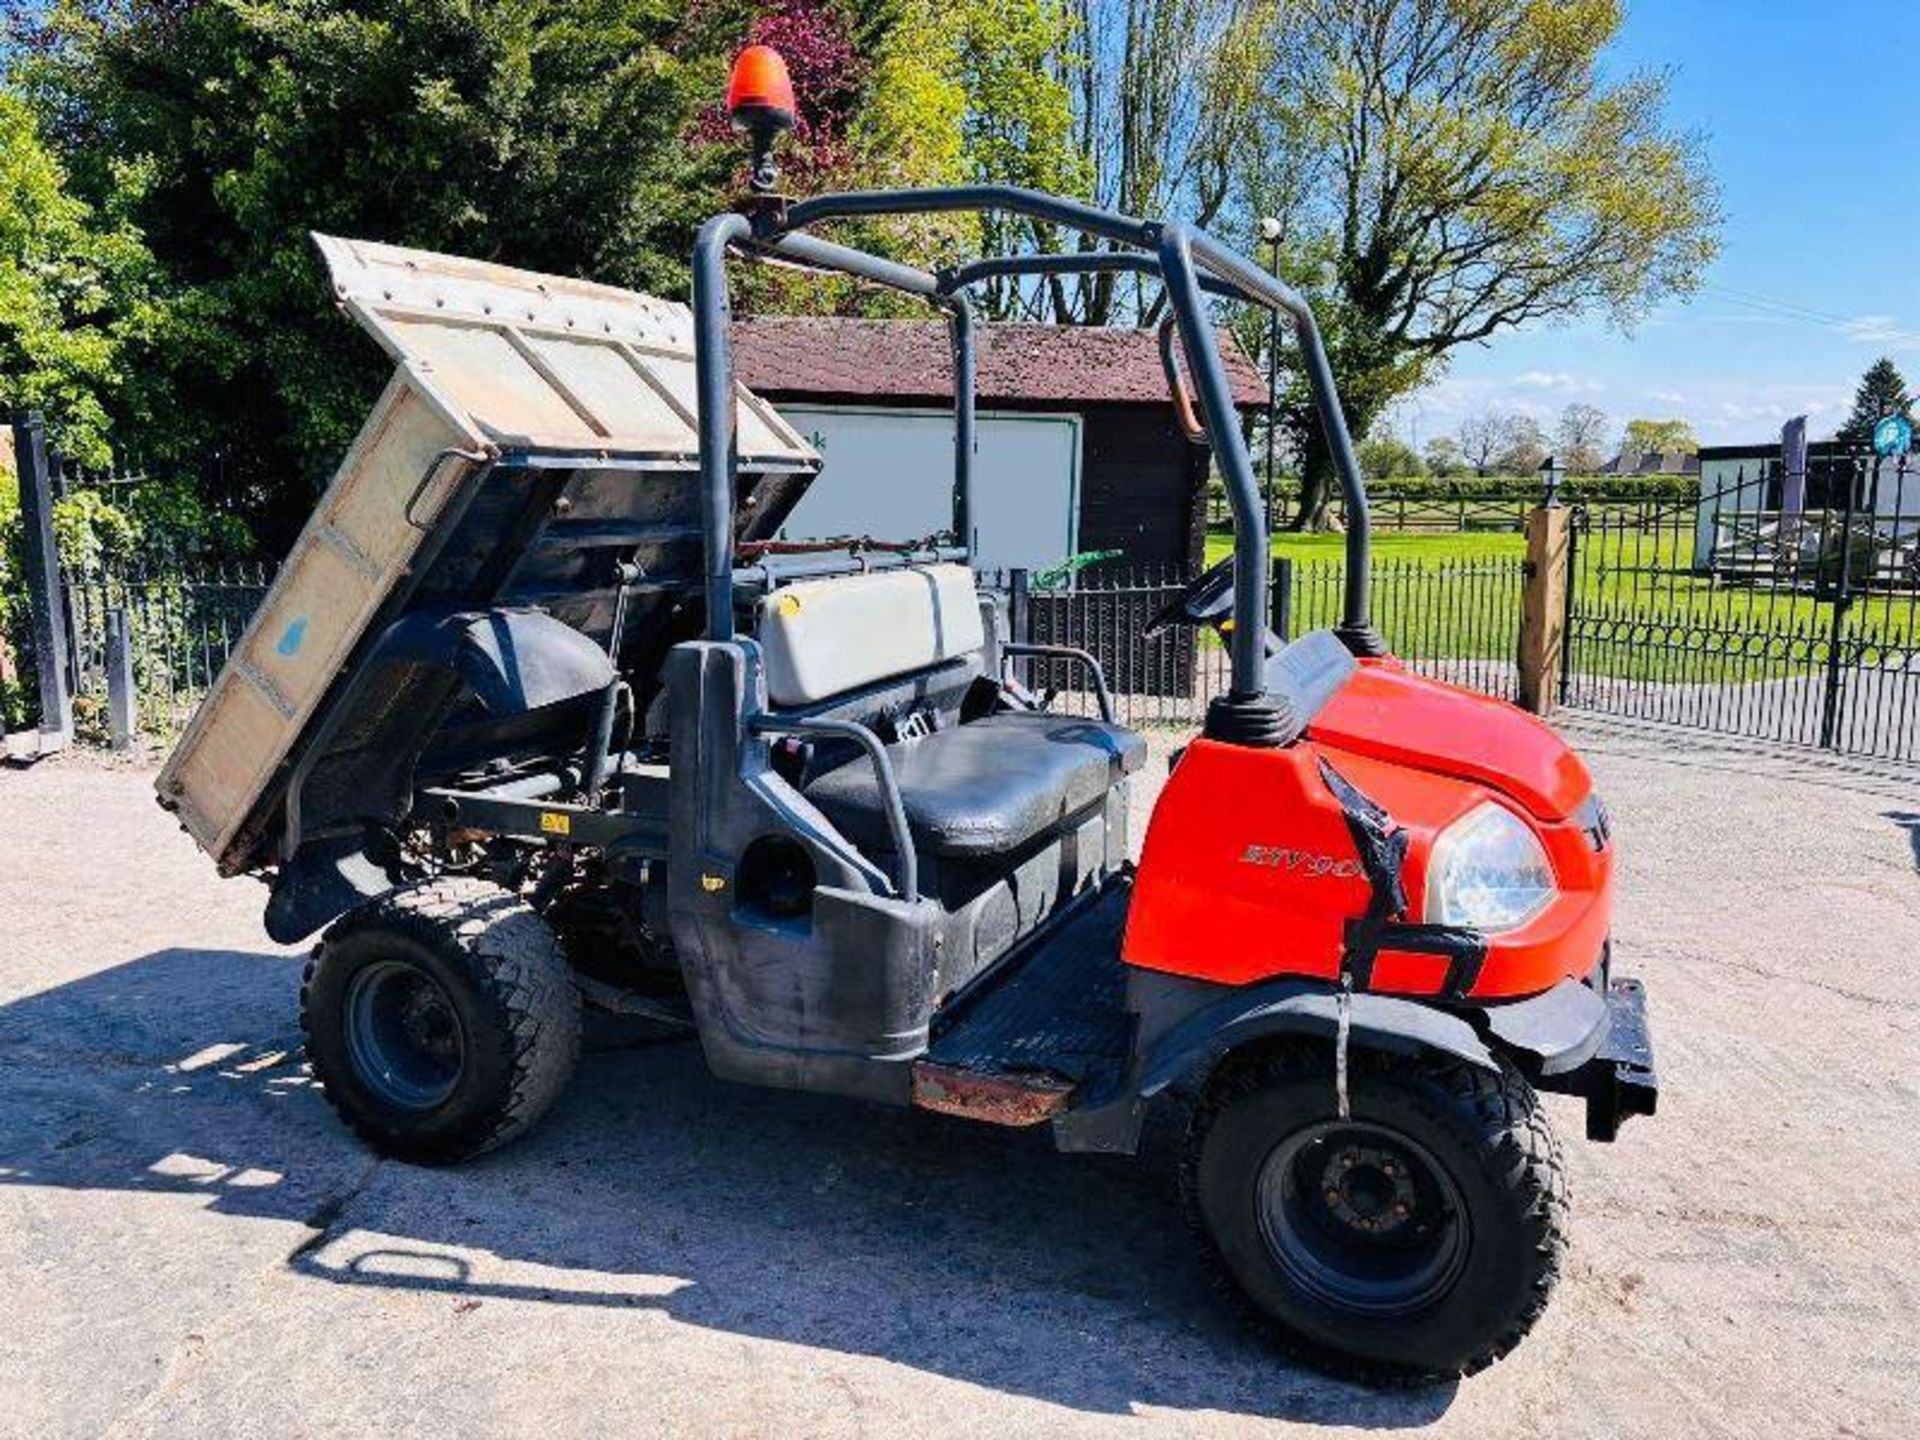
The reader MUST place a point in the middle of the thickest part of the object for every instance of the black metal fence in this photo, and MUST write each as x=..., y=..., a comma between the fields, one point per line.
x=179, y=625
x=1457, y=620
x=1784, y=608
x=93, y=639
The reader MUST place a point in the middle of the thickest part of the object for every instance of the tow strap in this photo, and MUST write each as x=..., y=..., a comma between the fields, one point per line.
x=1382, y=848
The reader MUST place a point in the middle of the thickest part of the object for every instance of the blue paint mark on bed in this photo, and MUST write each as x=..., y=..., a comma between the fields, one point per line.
x=295, y=632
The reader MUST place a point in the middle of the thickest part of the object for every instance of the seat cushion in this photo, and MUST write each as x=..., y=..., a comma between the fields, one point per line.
x=983, y=788
x=823, y=637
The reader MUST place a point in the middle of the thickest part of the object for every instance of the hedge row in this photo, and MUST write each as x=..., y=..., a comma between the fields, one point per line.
x=1616, y=488
x=1592, y=489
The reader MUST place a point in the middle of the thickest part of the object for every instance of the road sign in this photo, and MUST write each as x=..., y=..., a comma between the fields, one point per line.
x=1893, y=435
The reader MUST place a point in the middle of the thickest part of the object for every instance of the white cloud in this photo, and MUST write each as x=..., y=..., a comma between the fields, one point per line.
x=1453, y=397
x=1668, y=397
x=1555, y=380
x=1883, y=330
x=1737, y=414
x=1775, y=409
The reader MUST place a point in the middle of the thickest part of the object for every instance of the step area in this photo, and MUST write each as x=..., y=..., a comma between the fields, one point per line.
x=1047, y=1026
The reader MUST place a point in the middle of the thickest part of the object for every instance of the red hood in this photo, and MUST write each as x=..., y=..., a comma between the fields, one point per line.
x=1391, y=714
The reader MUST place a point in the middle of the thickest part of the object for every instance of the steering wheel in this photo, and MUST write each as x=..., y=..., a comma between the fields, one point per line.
x=1207, y=600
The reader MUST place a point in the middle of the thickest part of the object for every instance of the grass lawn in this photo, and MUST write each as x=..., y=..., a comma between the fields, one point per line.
x=1436, y=596
x=1641, y=612
x=1421, y=548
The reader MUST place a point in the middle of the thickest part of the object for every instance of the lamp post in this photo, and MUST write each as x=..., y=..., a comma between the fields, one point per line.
x=1270, y=232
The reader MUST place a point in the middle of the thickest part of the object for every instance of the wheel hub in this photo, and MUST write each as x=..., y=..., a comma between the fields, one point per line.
x=427, y=1022
x=403, y=1036
x=1362, y=1217
x=1370, y=1188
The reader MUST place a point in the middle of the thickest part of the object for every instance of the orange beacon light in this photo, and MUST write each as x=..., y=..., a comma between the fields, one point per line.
x=760, y=102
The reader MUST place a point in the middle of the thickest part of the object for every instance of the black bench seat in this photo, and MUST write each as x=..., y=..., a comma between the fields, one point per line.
x=983, y=788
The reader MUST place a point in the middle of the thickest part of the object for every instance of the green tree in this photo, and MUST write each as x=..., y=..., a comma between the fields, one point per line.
x=1470, y=167
x=1580, y=437
x=1388, y=457
x=1524, y=448
x=1142, y=105
x=913, y=130
x=1883, y=391
x=1646, y=437
x=1014, y=62
x=1167, y=95
x=1444, y=457
x=545, y=134
x=965, y=91
x=1483, y=436
x=75, y=288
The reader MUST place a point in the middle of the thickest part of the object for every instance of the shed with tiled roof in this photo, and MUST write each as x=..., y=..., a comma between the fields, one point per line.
x=1079, y=448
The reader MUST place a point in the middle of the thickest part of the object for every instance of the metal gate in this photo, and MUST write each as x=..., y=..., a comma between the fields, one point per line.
x=1776, y=607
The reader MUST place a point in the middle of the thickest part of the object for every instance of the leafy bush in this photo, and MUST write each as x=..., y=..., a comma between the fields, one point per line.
x=1590, y=489
x=73, y=285
x=1383, y=455
x=1509, y=489
x=156, y=523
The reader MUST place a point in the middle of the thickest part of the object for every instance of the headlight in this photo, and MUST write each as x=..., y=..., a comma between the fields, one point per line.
x=1488, y=871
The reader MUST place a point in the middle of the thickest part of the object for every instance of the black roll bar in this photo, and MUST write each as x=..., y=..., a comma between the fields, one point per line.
x=713, y=396
x=906, y=881
x=1071, y=262
x=1190, y=263
x=825, y=255
x=1248, y=643
x=1015, y=199
x=1356, y=625
x=965, y=439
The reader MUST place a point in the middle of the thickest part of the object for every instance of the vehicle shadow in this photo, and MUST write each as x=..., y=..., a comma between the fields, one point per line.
x=961, y=1250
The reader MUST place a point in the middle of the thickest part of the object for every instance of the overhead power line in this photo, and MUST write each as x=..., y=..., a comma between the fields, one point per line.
x=1792, y=310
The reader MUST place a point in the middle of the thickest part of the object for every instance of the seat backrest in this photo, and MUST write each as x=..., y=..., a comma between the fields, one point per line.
x=822, y=637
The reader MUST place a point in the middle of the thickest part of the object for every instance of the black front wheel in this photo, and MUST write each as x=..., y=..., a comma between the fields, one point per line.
x=1415, y=1239
x=442, y=1020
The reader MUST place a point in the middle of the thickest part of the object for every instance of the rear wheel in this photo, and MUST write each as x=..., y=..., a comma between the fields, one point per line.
x=441, y=1021
x=1416, y=1239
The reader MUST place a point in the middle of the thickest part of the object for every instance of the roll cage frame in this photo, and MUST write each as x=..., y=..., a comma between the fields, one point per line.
x=1190, y=265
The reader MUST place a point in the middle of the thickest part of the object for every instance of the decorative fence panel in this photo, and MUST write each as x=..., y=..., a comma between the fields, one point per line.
x=1457, y=620
x=181, y=623
x=1782, y=617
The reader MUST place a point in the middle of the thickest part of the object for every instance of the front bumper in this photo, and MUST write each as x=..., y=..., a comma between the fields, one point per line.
x=1620, y=1079
x=1586, y=1040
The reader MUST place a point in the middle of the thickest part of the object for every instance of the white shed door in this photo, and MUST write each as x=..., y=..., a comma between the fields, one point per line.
x=889, y=474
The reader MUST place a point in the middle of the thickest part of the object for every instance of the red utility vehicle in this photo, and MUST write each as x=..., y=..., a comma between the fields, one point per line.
x=596, y=732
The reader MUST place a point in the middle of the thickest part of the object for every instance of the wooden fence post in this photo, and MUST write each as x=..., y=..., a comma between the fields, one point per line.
x=45, y=590
x=1543, y=607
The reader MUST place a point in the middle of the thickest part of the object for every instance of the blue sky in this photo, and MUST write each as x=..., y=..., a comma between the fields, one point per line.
x=1814, y=135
